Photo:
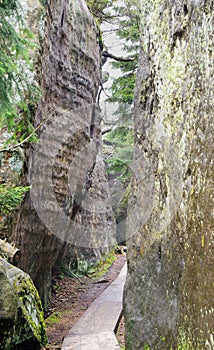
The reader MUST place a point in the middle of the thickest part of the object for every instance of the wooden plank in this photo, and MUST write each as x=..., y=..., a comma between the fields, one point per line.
x=12, y=253
x=91, y=341
x=95, y=329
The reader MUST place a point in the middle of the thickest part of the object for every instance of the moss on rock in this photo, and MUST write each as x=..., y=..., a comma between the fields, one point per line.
x=21, y=314
x=169, y=253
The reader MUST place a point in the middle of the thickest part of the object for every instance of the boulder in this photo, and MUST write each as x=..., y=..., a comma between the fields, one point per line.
x=21, y=315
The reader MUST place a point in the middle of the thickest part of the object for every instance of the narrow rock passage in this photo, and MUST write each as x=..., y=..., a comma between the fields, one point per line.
x=95, y=329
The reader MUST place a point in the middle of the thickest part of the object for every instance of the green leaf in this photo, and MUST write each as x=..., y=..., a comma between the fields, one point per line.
x=11, y=197
x=16, y=91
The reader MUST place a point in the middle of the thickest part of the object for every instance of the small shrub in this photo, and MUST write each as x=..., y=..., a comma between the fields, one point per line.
x=11, y=197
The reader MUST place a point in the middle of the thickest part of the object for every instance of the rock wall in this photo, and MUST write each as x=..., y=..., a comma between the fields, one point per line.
x=69, y=202
x=169, y=288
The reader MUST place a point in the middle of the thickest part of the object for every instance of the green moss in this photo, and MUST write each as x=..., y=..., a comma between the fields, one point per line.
x=103, y=265
x=53, y=318
x=21, y=309
x=84, y=268
x=43, y=2
x=99, y=33
x=183, y=340
x=146, y=347
x=30, y=304
x=97, y=22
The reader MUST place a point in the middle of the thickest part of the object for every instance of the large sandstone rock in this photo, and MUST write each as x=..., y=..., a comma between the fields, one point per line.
x=21, y=316
x=64, y=168
x=169, y=288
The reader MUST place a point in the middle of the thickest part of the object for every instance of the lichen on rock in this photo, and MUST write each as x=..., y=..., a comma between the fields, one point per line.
x=168, y=294
x=21, y=314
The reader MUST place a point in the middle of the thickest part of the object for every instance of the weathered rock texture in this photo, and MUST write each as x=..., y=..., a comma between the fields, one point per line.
x=169, y=288
x=21, y=316
x=70, y=200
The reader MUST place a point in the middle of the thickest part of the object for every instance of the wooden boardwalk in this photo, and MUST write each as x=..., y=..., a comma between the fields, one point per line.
x=95, y=329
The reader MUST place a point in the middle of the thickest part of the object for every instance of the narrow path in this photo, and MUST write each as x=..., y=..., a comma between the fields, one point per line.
x=95, y=329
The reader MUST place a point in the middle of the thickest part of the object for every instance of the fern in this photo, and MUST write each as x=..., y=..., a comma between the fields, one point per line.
x=11, y=197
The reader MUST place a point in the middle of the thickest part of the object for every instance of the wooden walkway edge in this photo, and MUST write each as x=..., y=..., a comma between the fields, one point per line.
x=95, y=329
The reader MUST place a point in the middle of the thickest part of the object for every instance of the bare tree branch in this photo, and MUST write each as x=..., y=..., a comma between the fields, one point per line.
x=117, y=58
x=104, y=131
x=27, y=138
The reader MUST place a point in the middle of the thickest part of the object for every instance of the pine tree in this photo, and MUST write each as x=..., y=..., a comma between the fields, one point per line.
x=121, y=138
x=15, y=42
x=128, y=31
x=15, y=90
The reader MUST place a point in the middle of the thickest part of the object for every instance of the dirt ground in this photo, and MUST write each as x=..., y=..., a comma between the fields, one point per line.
x=71, y=297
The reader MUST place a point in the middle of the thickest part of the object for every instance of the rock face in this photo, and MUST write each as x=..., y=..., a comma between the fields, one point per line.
x=169, y=288
x=21, y=317
x=69, y=201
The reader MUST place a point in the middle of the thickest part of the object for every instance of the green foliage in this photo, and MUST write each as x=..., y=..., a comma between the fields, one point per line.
x=122, y=140
x=129, y=25
x=95, y=270
x=99, y=9
x=17, y=93
x=122, y=92
x=123, y=89
x=10, y=198
x=128, y=31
